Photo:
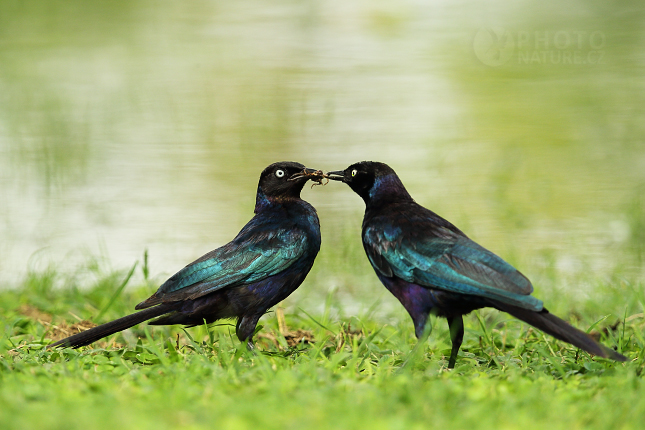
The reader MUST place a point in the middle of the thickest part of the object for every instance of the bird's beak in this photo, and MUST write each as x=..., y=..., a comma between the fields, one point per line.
x=337, y=175
x=313, y=174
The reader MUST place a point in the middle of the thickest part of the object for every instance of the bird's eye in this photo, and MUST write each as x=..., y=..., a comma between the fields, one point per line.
x=279, y=173
x=354, y=172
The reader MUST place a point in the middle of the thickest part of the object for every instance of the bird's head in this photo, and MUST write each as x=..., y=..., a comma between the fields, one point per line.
x=371, y=180
x=285, y=179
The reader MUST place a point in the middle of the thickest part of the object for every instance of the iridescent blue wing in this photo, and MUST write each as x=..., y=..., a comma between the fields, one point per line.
x=258, y=252
x=423, y=253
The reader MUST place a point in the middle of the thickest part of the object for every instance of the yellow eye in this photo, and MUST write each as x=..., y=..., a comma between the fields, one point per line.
x=354, y=172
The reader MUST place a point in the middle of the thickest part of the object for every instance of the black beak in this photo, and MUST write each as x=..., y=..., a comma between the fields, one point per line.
x=307, y=173
x=337, y=175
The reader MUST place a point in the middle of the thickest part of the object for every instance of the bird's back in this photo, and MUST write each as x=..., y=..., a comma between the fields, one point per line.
x=275, y=239
x=406, y=240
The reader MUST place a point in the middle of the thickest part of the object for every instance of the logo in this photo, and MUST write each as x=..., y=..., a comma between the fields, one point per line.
x=497, y=46
x=493, y=46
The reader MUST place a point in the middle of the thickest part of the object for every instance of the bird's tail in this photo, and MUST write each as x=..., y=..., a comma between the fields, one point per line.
x=88, y=336
x=560, y=329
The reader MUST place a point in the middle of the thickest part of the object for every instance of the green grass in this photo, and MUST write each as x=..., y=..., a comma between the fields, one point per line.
x=351, y=376
x=122, y=116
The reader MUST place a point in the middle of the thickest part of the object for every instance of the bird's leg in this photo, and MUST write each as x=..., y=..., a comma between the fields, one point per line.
x=423, y=327
x=456, y=325
x=422, y=331
x=245, y=328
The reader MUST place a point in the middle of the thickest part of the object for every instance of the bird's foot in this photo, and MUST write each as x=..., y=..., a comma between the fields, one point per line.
x=250, y=346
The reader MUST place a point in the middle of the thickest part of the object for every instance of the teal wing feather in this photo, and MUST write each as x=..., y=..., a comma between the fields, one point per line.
x=249, y=258
x=442, y=259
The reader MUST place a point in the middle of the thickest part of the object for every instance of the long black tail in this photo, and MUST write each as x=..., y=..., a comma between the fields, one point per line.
x=560, y=329
x=99, y=332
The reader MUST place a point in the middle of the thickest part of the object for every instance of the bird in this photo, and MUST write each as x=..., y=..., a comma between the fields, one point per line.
x=267, y=260
x=431, y=266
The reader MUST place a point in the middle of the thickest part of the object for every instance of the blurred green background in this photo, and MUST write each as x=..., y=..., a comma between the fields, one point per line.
x=127, y=126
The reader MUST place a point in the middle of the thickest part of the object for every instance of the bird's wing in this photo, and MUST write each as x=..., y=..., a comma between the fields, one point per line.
x=250, y=257
x=434, y=256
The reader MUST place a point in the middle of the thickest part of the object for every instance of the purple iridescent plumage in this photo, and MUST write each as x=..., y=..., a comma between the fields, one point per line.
x=431, y=266
x=268, y=260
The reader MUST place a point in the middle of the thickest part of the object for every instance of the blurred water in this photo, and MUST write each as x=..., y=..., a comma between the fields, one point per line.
x=127, y=126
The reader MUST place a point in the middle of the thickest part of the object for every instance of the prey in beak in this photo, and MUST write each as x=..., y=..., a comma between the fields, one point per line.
x=316, y=176
x=338, y=175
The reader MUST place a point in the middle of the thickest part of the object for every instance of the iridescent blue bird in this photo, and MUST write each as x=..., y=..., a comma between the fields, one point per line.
x=268, y=259
x=431, y=266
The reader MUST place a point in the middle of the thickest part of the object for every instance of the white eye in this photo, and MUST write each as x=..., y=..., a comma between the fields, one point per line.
x=279, y=173
x=354, y=172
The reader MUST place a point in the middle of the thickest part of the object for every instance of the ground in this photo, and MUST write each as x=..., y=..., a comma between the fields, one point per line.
x=311, y=371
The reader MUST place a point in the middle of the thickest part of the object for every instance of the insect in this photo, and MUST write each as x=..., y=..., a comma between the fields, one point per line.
x=316, y=177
